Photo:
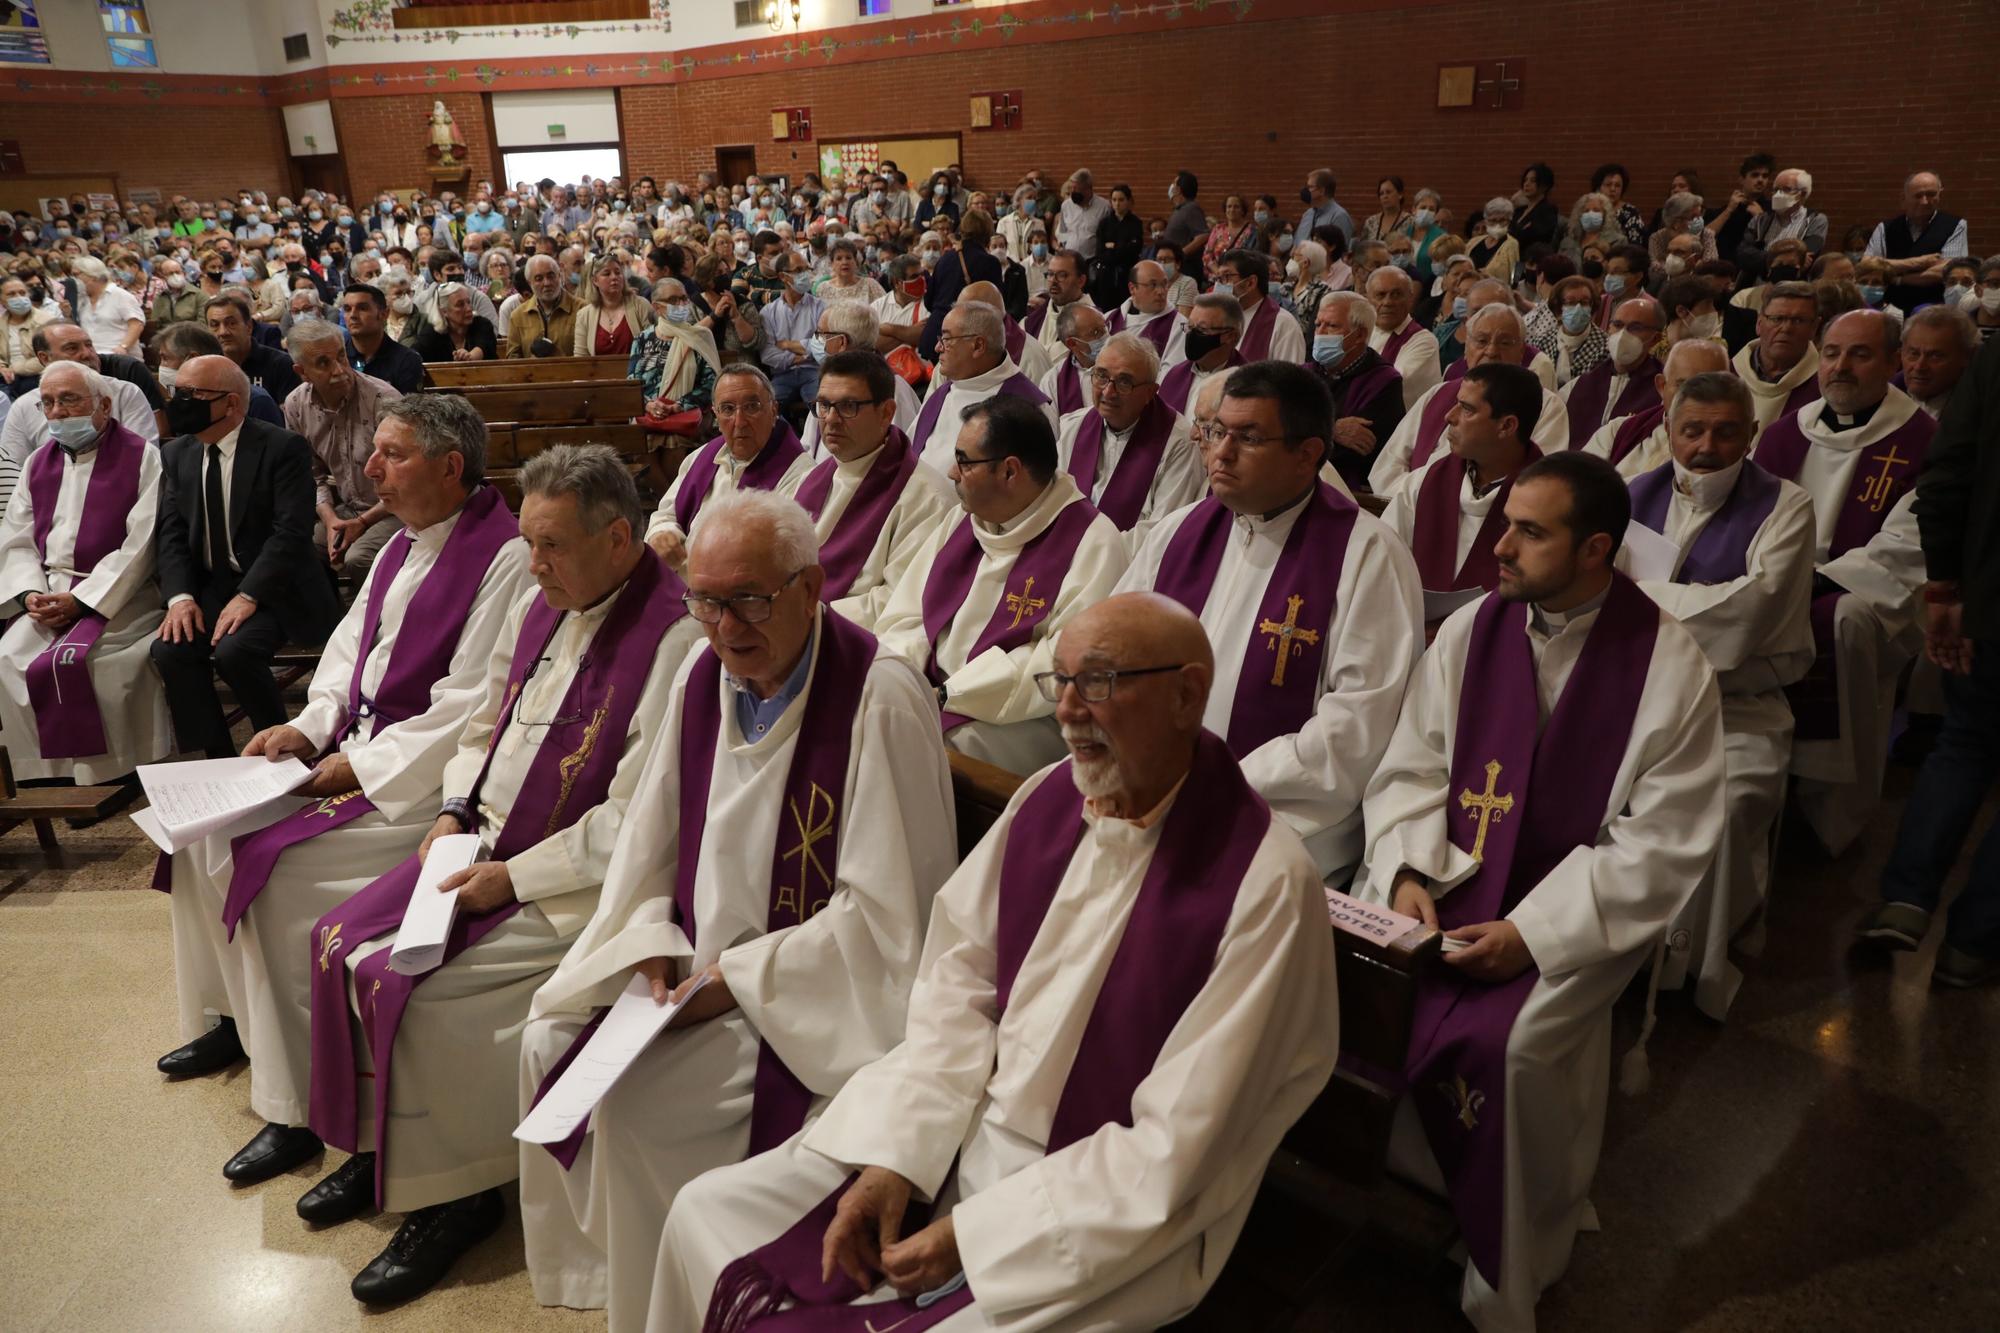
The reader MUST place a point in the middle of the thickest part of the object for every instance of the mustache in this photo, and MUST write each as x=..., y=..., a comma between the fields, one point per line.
x=1087, y=733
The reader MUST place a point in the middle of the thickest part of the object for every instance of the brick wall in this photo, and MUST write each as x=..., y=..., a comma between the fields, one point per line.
x=201, y=150
x=384, y=139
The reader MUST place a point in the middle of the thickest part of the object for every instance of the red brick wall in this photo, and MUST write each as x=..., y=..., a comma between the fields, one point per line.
x=384, y=139
x=199, y=150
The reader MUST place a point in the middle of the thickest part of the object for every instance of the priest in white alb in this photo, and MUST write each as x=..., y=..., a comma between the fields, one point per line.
x=1626, y=381
x=1398, y=339
x=757, y=450
x=1741, y=584
x=1268, y=331
x=974, y=366
x=794, y=822
x=1781, y=364
x=1857, y=454
x=1130, y=453
x=1081, y=331
x=1149, y=314
x=1215, y=327
x=1552, y=796
x=1029, y=354
x=1311, y=605
x=79, y=698
x=1637, y=443
x=1125, y=999
x=851, y=326
x=415, y=1074
x=978, y=610
x=400, y=676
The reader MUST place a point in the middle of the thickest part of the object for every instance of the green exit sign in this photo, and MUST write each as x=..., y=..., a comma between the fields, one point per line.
x=557, y=131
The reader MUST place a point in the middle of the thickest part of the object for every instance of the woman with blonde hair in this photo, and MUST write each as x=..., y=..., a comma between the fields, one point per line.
x=612, y=315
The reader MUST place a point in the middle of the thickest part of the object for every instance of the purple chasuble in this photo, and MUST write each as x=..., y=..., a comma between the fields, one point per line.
x=1069, y=388
x=1278, y=687
x=1132, y=480
x=1634, y=429
x=1175, y=387
x=1720, y=552
x=845, y=550
x=426, y=640
x=1593, y=387
x=1018, y=613
x=1434, y=541
x=1017, y=384
x=1883, y=471
x=571, y=772
x=68, y=723
x=763, y=472
x=1256, y=342
x=1161, y=963
x=1519, y=804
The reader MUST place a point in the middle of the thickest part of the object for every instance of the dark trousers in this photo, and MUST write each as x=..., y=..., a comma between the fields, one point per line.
x=1950, y=788
x=243, y=659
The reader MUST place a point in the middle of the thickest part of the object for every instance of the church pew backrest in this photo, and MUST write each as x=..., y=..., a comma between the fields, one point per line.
x=509, y=444
x=568, y=403
x=523, y=370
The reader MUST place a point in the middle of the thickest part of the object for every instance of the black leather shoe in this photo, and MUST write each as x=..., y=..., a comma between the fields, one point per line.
x=275, y=1150
x=214, y=1050
x=429, y=1242
x=347, y=1192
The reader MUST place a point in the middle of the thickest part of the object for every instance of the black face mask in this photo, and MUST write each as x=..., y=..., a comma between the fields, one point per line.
x=1200, y=344
x=1076, y=197
x=1306, y=195
x=295, y=268
x=188, y=415
x=1784, y=273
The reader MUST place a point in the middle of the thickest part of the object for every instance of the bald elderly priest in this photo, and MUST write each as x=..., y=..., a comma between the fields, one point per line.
x=402, y=673
x=1551, y=798
x=1125, y=998
x=794, y=822
x=78, y=695
x=1312, y=607
x=415, y=1074
x=979, y=609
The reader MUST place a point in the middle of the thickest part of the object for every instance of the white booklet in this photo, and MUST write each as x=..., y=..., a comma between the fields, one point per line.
x=428, y=920
x=1648, y=556
x=188, y=801
x=626, y=1031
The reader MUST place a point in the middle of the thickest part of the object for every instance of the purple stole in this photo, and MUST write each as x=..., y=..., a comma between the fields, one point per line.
x=1434, y=542
x=1593, y=387
x=1161, y=963
x=1357, y=393
x=1175, y=387
x=1398, y=340
x=1019, y=613
x=1520, y=804
x=1632, y=432
x=1017, y=338
x=425, y=643
x=1017, y=384
x=1721, y=550
x=1275, y=696
x=68, y=723
x=1125, y=494
x=764, y=472
x=1157, y=330
x=1884, y=471
x=845, y=550
x=1069, y=387
x=1430, y=427
x=571, y=772
x=1036, y=318
x=1256, y=341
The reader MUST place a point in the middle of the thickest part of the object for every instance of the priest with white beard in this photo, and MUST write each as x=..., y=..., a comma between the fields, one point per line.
x=795, y=821
x=1149, y=314
x=1742, y=586
x=1129, y=453
x=1398, y=339
x=78, y=695
x=1781, y=364
x=1312, y=607
x=1074, y=1126
x=756, y=451
x=1215, y=326
x=873, y=502
x=1551, y=798
x=400, y=676
x=1626, y=380
x=1857, y=454
x=1081, y=332
x=1637, y=444
x=973, y=361
x=1494, y=334
x=417, y=1075
x=978, y=610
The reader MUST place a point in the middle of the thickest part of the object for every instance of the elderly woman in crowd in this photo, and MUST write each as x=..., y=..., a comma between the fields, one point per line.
x=1494, y=249
x=1681, y=216
x=675, y=361
x=456, y=331
x=846, y=281
x=109, y=314
x=20, y=370
x=497, y=265
x=1611, y=181
x=1307, y=269
x=612, y=316
x=403, y=322
x=1592, y=222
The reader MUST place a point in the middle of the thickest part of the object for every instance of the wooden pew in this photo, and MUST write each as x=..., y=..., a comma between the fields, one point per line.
x=42, y=806
x=573, y=402
x=522, y=370
x=509, y=445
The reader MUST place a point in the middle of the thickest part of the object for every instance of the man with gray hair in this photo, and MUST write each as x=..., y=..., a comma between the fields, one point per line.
x=974, y=366
x=564, y=717
x=1740, y=581
x=274, y=294
x=1400, y=340
x=1080, y=333
x=775, y=873
x=336, y=408
x=1639, y=442
x=1129, y=453
x=1150, y=314
x=1939, y=342
x=545, y=323
x=78, y=696
x=396, y=684
x=852, y=326
x=1214, y=328
x=756, y=451
x=1367, y=392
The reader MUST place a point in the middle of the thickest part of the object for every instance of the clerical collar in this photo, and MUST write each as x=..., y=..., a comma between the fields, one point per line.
x=1286, y=507
x=754, y=716
x=1480, y=489
x=1833, y=420
x=1032, y=508
x=1551, y=623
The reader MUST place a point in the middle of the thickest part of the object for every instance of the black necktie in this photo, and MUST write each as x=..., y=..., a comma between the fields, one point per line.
x=218, y=515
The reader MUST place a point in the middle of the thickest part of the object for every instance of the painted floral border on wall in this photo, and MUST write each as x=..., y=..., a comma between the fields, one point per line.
x=368, y=21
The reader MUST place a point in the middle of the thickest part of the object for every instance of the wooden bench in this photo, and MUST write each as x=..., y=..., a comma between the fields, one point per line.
x=42, y=806
x=572, y=402
x=522, y=370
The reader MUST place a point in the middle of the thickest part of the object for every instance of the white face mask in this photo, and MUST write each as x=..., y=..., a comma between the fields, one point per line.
x=1625, y=348
x=1705, y=326
x=1675, y=265
x=1496, y=229
x=1707, y=489
x=1989, y=300
x=1784, y=201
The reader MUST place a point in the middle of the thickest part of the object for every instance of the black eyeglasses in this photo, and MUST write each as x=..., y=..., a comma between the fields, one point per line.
x=1095, y=685
x=965, y=460
x=752, y=608
x=846, y=408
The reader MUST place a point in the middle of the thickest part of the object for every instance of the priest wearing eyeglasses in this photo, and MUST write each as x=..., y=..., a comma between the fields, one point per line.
x=1127, y=450
x=792, y=825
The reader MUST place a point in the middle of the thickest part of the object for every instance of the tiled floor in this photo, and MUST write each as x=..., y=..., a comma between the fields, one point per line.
x=1830, y=1160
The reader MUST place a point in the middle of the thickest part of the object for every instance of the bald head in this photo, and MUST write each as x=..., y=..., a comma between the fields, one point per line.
x=1691, y=357
x=1148, y=659
x=210, y=376
x=985, y=293
x=1138, y=629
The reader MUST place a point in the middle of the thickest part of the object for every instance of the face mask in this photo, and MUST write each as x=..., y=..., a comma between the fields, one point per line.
x=1872, y=293
x=816, y=347
x=1784, y=273
x=345, y=220
x=743, y=249
x=403, y=305
x=930, y=258
x=1955, y=293
x=1329, y=349
x=19, y=305
x=1292, y=269
x=876, y=197
x=999, y=252
x=1076, y=197
x=387, y=208
x=167, y=376
x=1425, y=217
x=189, y=415
x=1694, y=225
x=1459, y=309
x=939, y=190
x=295, y=266
x=1624, y=347
x=1305, y=195
x=1261, y=217
x=1784, y=201
x=1614, y=284
x=225, y=215
x=1169, y=268
x=1028, y=207
x=74, y=434
x=1200, y=344
x=1575, y=319
x=681, y=313
x=1674, y=265
x=1704, y=326
x=1989, y=300
x=1039, y=250
x=1097, y=346
x=1284, y=242
x=315, y=215
x=914, y=289
x=1496, y=229
x=1591, y=221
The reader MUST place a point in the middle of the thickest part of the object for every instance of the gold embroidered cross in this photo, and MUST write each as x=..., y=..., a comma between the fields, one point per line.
x=329, y=940
x=1022, y=605
x=1489, y=806
x=814, y=825
x=1876, y=491
x=1287, y=639
x=1467, y=1101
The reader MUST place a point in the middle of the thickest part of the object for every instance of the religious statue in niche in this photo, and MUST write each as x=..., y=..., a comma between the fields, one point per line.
x=447, y=145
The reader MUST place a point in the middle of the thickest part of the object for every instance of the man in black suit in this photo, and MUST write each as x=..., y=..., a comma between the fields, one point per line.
x=236, y=588
x=229, y=319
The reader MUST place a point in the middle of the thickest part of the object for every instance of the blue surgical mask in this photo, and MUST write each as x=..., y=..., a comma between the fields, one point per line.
x=1872, y=293
x=73, y=434
x=1425, y=217
x=1168, y=267
x=1459, y=309
x=346, y=220
x=19, y=305
x=1040, y=250
x=1614, y=284
x=1591, y=220
x=1028, y=206
x=1694, y=225
x=681, y=313
x=1329, y=349
x=1575, y=319
x=816, y=345
x=1261, y=217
